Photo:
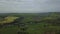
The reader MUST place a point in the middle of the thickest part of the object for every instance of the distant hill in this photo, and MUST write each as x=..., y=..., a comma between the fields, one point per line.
x=44, y=14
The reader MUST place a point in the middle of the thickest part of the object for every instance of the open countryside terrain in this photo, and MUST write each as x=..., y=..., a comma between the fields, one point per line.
x=30, y=23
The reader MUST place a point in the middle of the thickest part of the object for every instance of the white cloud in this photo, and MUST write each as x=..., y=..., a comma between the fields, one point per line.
x=29, y=5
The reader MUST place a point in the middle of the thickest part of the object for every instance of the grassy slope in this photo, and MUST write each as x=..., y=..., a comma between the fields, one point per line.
x=9, y=30
x=32, y=29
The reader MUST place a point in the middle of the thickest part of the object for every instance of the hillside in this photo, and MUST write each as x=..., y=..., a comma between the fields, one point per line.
x=30, y=23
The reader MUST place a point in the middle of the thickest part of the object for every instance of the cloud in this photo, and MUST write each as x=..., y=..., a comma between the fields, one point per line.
x=25, y=6
x=49, y=5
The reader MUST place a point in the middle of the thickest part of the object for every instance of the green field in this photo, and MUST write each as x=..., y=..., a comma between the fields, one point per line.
x=30, y=23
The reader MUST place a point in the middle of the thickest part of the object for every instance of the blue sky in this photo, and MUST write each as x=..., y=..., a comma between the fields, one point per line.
x=29, y=6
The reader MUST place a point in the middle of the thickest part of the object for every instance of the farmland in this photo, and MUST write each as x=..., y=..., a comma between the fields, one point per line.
x=30, y=23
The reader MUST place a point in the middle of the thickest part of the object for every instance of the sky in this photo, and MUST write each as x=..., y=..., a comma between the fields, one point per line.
x=29, y=6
